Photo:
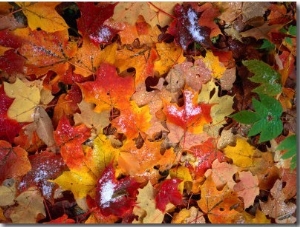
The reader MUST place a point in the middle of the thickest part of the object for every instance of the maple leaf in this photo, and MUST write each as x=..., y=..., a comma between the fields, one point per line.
x=139, y=60
x=11, y=62
x=218, y=203
x=90, y=118
x=209, y=13
x=186, y=29
x=44, y=166
x=9, y=128
x=133, y=121
x=91, y=25
x=241, y=154
x=277, y=208
x=47, y=51
x=14, y=161
x=62, y=220
x=191, y=116
x=43, y=15
x=24, y=103
x=222, y=173
x=70, y=140
x=88, y=58
x=169, y=55
x=189, y=216
x=247, y=188
x=206, y=154
x=108, y=90
x=158, y=13
x=168, y=192
x=114, y=196
x=145, y=206
x=30, y=208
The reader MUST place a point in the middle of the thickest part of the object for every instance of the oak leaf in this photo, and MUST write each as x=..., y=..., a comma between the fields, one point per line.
x=14, y=161
x=43, y=15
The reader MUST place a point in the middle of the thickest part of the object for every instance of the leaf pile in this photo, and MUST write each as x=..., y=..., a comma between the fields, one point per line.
x=148, y=112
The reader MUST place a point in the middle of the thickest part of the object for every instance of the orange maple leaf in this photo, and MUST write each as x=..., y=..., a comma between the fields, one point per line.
x=108, y=90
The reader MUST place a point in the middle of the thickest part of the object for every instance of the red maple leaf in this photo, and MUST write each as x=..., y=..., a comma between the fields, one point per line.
x=9, y=128
x=168, y=192
x=11, y=62
x=186, y=29
x=91, y=21
x=190, y=114
x=44, y=166
x=115, y=197
x=70, y=140
x=205, y=154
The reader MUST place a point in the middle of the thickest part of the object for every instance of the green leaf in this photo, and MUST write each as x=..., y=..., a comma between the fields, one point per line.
x=245, y=117
x=290, y=145
x=292, y=30
x=267, y=45
x=265, y=120
x=264, y=75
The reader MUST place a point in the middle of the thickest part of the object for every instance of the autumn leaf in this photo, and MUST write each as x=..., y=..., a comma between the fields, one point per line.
x=186, y=29
x=108, y=90
x=41, y=15
x=191, y=116
x=24, y=103
x=241, y=154
x=114, y=196
x=11, y=62
x=70, y=140
x=30, y=208
x=133, y=121
x=277, y=208
x=218, y=203
x=14, y=161
x=168, y=192
x=62, y=220
x=247, y=188
x=145, y=206
x=91, y=25
x=45, y=166
x=9, y=128
x=8, y=192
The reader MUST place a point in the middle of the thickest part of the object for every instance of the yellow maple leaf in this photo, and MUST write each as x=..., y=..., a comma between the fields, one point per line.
x=146, y=207
x=79, y=182
x=212, y=62
x=23, y=106
x=43, y=15
x=170, y=54
x=182, y=173
x=241, y=154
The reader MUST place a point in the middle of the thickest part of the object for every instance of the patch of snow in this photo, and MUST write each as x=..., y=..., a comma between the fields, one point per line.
x=194, y=28
x=107, y=192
